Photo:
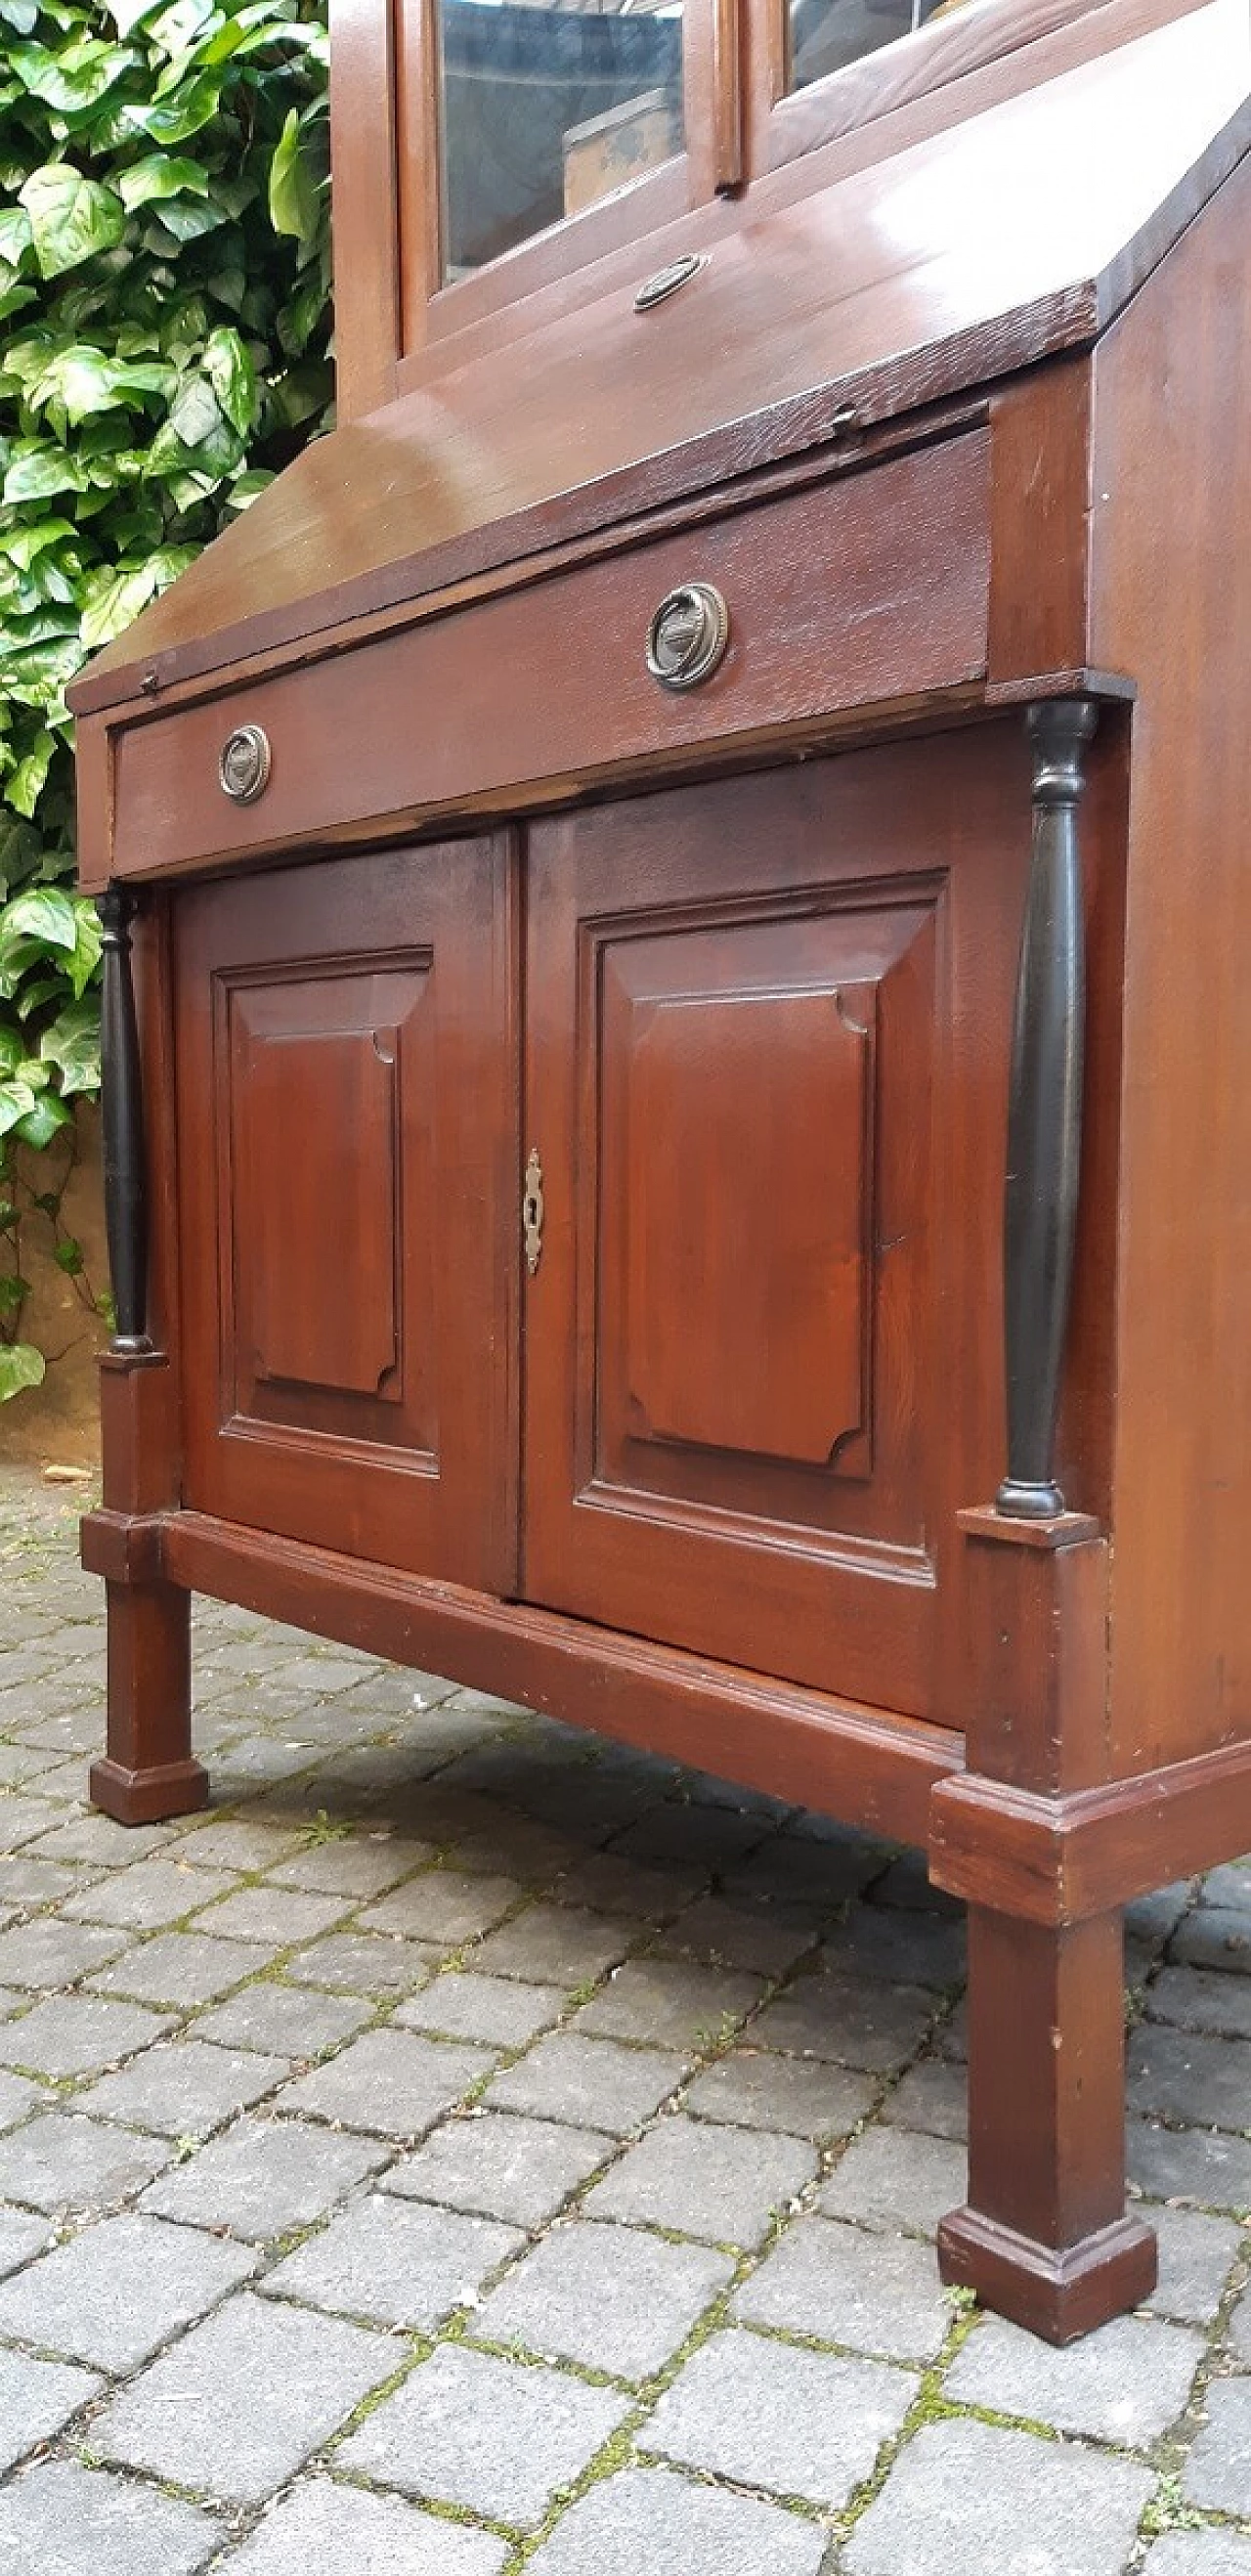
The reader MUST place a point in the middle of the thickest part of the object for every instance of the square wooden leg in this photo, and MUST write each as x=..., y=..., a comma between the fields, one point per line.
x=147, y=1772
x=1044, y=2237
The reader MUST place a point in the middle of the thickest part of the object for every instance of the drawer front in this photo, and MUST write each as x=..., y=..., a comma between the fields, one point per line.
x=862, y=590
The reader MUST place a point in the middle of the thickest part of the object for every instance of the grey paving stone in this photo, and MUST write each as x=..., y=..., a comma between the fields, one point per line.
x=262, y=2178
x=498, y=2010
x=1152, y=1917
x=610, y=2297
x=150, y=1894
x=1212, y=1936
x=933, y=2096
x=76, y=2034
x=594, y=2083
x=325, y=2530
x=396, y=2262
x=655, y=2521
x=95, y=1839
x=688, y=1834
x=918, y=1949
x=1041, y=2509
x=110, y=2295
x=183, y=1968
x=278, y=1916
x=182, y=2420
x=896, y=2179
x=1195, y=2257
x=21, y=2236
x=1202, y=1999
x=447, y=1906
x=558, y=1945
x=1190, y=2165
x=363, y=1865
x=239, y=1843
x=907, y=1885
x=1188, y=2076
x=26, y=1880
x=1218, y=2471
x=515, y=1847
x=392, y=2082
x=673, y=2003
x=364, y=1963
x=1228, y=1886
x=718, y=2183
x=72, y=2521
x=290, y=2021
x=1240, y=2326
x=63, y=2163
x=757, y=2090
x=184, y=2088
x=748, y=2407
x=25, y=1820
x=878, y=2294
x=500, y=2437
x=1199, y=2553
x=49, y=1952
x=767, y=1938
x=501, y=2164
x=873, y=2027
x=17, y=2096
x=1123, y=2384
x=610, y=1884
x=36, y=2399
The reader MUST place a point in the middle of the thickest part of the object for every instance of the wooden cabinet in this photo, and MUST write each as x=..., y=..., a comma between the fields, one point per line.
x=678, y=1065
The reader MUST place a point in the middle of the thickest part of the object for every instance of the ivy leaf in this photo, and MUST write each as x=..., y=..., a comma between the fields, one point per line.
x=292, y=191
x=171, y=120
x=72, y=1044
x=22, y=14
x=73, y=77
x=25, y=787
x=38, y=471
x=42, y=1122
x=17, y=1101
x=16, y=235
x=232, y=375
x=71, y=218
x=88, y=946
x=21, y=1365
x=43, y=913
x=161, y=174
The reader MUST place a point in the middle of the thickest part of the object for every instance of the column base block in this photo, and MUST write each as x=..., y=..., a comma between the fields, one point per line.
x=148, y=1797
x=1056, y=2293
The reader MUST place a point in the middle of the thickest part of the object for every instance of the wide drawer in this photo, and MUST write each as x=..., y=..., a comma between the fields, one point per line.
x=867, y=588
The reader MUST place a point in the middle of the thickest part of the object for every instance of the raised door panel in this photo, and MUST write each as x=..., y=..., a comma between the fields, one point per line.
x=768, y=1029
x=348, y=1156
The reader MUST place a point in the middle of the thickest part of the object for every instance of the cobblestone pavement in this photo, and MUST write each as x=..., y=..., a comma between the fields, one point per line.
x=472, y=2147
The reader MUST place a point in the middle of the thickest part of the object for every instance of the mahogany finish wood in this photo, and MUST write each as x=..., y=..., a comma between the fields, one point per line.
x=953, y=415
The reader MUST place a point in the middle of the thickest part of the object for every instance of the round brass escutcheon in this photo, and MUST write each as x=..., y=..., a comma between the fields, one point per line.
x=666, y=281
x=688, y=635
x=245, y=764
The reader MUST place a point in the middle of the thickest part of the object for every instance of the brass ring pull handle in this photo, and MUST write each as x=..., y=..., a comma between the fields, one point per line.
x=245, y=764
x=688, y=636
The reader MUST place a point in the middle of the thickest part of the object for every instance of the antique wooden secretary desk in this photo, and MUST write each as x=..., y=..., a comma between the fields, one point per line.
x=740, y=740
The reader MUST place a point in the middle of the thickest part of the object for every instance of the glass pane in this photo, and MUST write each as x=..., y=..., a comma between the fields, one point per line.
x=825, y=34
x=546, y=110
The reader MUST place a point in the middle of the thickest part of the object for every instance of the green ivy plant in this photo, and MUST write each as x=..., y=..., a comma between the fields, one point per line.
x=164, y=350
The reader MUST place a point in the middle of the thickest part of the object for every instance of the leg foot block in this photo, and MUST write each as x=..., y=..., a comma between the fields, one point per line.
x=1058, y=2293
x=148, y=1797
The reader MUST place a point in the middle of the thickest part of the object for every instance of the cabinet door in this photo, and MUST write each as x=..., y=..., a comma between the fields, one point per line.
x=348, y=1204
x=768, y=1026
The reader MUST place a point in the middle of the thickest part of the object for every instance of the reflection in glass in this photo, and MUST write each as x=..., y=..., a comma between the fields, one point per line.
x=825, y=34
x=547, y=109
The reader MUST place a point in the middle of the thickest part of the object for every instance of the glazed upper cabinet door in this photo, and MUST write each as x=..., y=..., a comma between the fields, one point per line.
x=535, y=135
x=768, y=1039
x=347, y=1175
